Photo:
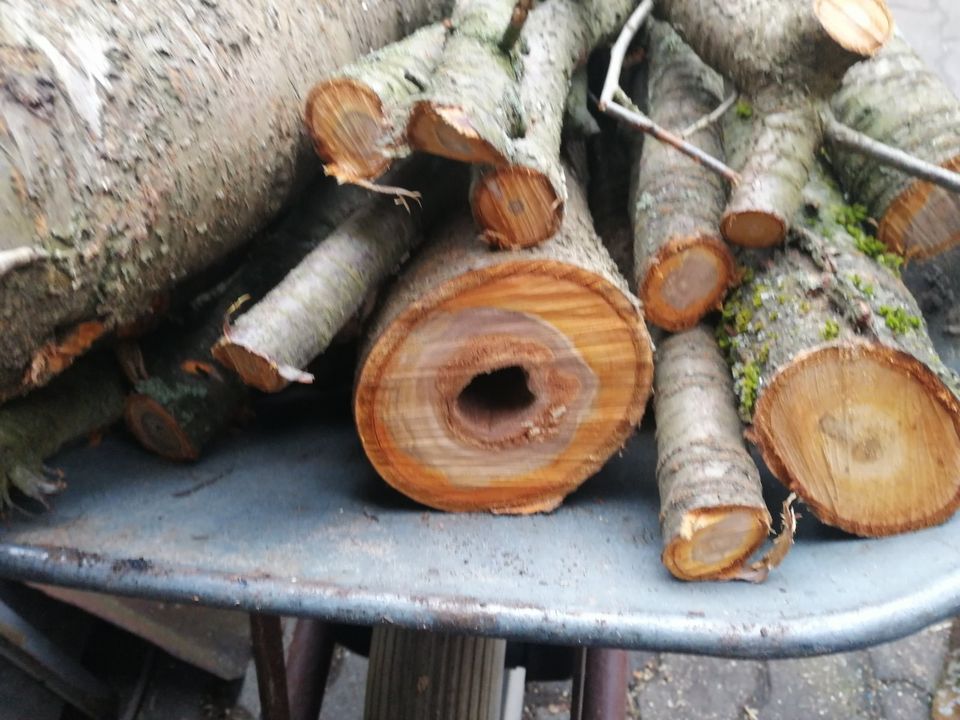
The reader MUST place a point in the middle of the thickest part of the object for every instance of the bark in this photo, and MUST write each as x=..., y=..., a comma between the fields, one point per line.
x=471, y=109
x=419, y=675
x=897, y=99
x=784, y=58
x=812, y=336
x=141, y=145
x=525, y=370
x=357, y=117
x=272, y=343
x=682, y=266
x=712, y=514
x=83, y=400
x=520, y=202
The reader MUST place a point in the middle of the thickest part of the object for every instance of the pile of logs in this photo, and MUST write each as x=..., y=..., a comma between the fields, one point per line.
x=789, y=163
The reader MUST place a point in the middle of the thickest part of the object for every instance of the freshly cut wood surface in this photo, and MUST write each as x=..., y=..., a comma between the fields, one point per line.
x=501, y=381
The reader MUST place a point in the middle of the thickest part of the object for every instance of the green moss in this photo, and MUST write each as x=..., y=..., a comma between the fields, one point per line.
x=899, y=320
x=859, y=284
x=804, y=307
x=749, y=388
x=764, y=354
x=852, y=219
x=743, y=109
x=741, y=321
x=830, y=331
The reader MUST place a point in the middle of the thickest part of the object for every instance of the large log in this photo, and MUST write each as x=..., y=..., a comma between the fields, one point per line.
x=851, y=406
x=501, y=381
x=785, y=58
x=143, y=143
x=895, y=98
x=682, y=265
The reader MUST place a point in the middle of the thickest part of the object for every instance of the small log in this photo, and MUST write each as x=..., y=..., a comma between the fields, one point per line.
x=520, y=201
x=897, y=99
x=525, y=370
x=357, y=117
x=682, y=266
x=712, y=514
x=84, y=399
x=851, y=407
x=420, y=675
x=785, y=58
x=272, y=343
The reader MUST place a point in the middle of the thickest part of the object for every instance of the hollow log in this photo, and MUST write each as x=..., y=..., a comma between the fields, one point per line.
x=851, y=407
x=895, y=98
x=784, y=59
x=501, y=381
x=272, y=343
x=152, y=147
x=419, y=675
x=519, y=202
x=712, y=514
x=84, y=399
x=682, y=266
x=357, y=117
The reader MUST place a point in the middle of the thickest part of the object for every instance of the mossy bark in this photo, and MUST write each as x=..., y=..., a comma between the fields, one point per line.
x=154, y=147
x=682, y=267
x=896, y=99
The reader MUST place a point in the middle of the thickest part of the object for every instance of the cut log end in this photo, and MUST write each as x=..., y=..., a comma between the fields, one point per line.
x=254, y=369
x=715, y=542
x=753, y=228
x=872, y=463
x=516, y=206
x=496, y=362
x=685, y=280
x=157, y=429
x=917, y=222
x=859, y=26
x=349, y=128
x=448, y=132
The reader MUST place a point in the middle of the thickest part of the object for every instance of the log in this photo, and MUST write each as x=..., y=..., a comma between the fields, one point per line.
x=785, y=58
x=272, y=343
x=712, y=514
x=897, y=99
x=420, y=675
x=152, y=148
x=81, y=401
x=525, y=370
x=682, y=266
x=520, y=201
x=357, y=117
x=812, y=336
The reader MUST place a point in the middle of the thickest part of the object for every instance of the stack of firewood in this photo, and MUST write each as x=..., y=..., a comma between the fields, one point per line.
x=789, y=162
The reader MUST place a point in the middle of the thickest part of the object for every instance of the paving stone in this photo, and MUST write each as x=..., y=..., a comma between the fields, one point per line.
x=833, y=686
x=346, y=687
x=901, y=701
x=917, y=659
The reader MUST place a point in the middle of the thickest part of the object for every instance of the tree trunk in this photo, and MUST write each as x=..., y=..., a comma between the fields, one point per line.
x=520, y=202
x=897, y=99
x=784, y=57
x=142, y=144
x=851, y=407
x=712, y=514
x=83, y=400
x=682, y=265
x=419, y=675
x=525, y=370
x=272, y=343
x=357, y=117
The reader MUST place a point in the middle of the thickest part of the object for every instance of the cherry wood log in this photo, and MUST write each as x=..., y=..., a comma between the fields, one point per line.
x=145, y=143
x=785, y=58
x=682, y=266
x=357, y=117
x=501, y=381
x=851, y=406
x=712, y=514
x=895, y=98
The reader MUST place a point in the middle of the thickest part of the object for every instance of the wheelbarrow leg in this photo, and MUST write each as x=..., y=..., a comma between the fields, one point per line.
x=267, y=636
x=600, y=685
x=308, y=664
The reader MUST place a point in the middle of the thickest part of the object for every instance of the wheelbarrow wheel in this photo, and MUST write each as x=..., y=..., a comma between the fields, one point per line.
x=417, y=675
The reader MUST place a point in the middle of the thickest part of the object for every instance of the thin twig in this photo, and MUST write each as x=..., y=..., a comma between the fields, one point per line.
x=630, y=114
x=619, y=49
x=708, y=120
x=517, y=19
x=850, y=139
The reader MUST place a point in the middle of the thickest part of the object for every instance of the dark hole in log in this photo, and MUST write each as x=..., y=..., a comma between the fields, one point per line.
x=496, y=398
